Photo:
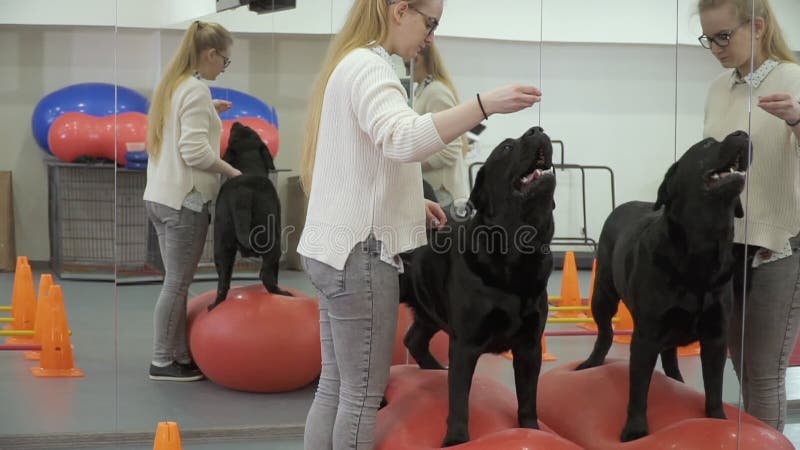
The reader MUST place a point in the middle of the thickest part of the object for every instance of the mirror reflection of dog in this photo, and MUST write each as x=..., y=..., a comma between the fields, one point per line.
x=672, y=267
x=247, y=216
x=483, y=277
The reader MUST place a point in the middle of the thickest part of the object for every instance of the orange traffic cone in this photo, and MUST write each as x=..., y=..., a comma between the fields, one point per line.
x=15, y=298
x=547, y=356
x=570, y=289
x=23, y=304
x=56, y=359
x=168, y=437
x=45, y=281
x=591, y=326
x=625, y=324
x=692, y=349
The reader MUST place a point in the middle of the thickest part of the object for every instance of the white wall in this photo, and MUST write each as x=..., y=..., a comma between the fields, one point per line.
x=590, y=21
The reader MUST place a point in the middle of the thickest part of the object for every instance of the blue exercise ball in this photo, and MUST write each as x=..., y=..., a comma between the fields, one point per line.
x=94, y=99
x=244, y=105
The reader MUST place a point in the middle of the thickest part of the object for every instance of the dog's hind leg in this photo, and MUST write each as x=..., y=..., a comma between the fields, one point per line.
x=270, y=263
x=418, y=340
x=669, y=362
x=527, y=365
x=604, y=306
x=224, y=259
x=644, y=354
x=459, y=382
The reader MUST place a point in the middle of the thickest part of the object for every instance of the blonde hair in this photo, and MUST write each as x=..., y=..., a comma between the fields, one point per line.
x=199, y=37
x=773, y=45
x=434, y=67
x=367, y=22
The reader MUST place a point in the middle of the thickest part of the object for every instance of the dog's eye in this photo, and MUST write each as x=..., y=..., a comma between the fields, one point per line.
x=508, y=148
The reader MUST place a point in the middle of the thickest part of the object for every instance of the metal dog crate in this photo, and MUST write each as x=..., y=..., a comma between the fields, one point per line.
x=83, y=229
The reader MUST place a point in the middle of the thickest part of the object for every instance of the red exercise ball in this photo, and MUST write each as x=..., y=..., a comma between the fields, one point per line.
x=265, y=130
x=589, y=407
x=76, y=134
x=415, y=415
x=440, y=344
x=256, y=341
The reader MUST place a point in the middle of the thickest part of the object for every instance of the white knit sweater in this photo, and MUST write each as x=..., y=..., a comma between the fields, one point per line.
x=367, y=176
x=773, y=210
x=190, y=146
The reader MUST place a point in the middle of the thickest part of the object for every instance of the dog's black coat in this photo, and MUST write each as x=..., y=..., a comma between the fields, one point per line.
x=247, y=217
x=483, y=278
x=672, y=267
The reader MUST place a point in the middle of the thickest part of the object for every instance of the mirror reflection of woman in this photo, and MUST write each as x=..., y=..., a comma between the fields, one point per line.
x=183, y=178
x=435, y=92
x=771, y=308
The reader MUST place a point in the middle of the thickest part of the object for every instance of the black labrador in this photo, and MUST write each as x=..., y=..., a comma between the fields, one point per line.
x=483, y=277
x=672, y=268
x=247, y=217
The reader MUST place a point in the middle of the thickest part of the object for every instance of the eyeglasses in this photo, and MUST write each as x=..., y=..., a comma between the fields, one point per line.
x=722, y=39
x=431, y=23
x=225, y=60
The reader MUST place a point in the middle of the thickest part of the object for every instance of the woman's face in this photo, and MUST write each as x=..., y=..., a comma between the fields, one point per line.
x=728, y=37
x=417, y=27
x=213, y=62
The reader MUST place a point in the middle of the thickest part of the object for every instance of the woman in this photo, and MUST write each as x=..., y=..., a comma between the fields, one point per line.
x=362, y=151
x=764, y=322
x=183, y=177
x=435, y=92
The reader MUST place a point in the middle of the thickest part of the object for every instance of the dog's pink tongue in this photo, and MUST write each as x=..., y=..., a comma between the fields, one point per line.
x=527, y=179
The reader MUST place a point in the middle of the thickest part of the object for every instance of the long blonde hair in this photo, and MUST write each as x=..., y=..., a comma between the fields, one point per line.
x=434, y=67
x=199, y=37
x=367, y=22
x=773, y=45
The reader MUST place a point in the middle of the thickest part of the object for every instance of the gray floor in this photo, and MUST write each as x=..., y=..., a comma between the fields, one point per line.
x=115, y=402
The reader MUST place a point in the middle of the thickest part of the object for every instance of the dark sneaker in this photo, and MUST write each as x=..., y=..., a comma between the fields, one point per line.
x=191, y=365
x=175, y=372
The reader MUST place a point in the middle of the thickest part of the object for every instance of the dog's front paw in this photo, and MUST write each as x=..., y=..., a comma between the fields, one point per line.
x=278, y=291
x=214, y=305
x=455, y=439
x=716, y=413
x=588, y=364
x=633, y=431
x=529, y=423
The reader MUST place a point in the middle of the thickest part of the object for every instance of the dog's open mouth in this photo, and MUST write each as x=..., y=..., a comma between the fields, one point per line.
x=539, y=168
x=734, y=170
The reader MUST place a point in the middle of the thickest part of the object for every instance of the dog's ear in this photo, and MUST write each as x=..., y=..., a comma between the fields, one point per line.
x=478, y=197
x=663, y=190
x=739, y=211
x=269, y=163
x=230, y=155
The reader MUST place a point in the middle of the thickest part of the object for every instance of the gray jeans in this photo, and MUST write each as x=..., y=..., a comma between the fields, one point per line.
x=772, y=316
x=358, y=318
x=181, y=237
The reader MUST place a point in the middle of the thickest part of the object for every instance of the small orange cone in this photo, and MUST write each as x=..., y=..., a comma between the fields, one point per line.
x=547, y=356
x=692, y=349
x=56, y=359
x=23, y=304
x=168, y=437
x=625, y=324
x=591, y=326
x=45, y=281
x=570, y=289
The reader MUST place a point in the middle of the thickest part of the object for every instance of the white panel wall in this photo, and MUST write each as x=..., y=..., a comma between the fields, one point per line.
x=618, y=21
